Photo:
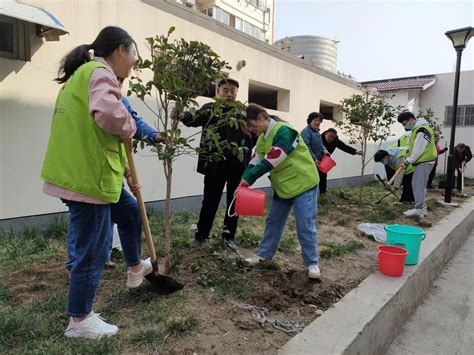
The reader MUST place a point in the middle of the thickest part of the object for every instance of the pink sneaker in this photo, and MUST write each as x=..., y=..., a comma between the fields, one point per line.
x=135, y=279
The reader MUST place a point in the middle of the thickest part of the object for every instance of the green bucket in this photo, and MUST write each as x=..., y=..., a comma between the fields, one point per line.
x=407, y=237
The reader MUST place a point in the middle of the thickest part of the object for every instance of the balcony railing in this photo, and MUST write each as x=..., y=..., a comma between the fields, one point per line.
x=261, y=4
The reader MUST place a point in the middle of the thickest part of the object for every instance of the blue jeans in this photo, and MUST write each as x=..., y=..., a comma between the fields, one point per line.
x=71, y=240
x=89, y=238
x=305, y=207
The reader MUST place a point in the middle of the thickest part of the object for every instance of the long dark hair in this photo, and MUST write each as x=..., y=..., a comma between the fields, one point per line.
x=108, y=40
x=253, y=110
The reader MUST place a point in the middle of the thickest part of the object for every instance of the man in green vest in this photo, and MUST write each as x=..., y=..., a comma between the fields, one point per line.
x=422, y=155
x=401, y=142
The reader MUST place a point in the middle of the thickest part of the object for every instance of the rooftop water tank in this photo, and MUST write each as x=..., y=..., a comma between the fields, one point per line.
x=322, y=51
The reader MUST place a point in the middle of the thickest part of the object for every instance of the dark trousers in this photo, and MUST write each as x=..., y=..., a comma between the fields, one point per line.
x=458, y=179
x=389, y=172
x=229, y=173
x=323, y=181
x=407, y=192
x=431, y=177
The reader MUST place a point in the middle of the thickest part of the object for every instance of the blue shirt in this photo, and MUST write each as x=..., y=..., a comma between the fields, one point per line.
x=144, y=131
x=393, y=161
x=313, y=140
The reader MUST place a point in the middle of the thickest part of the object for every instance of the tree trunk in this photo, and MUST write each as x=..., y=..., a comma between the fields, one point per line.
x=167, y=219
x=364, y=152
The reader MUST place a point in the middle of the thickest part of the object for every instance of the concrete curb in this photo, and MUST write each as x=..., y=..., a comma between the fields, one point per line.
x=369, y=317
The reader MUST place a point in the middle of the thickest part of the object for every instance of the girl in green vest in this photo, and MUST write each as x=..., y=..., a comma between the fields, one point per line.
x=281, y=151
x=84, y=166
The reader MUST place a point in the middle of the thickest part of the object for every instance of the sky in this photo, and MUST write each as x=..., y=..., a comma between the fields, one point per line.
x=382, y=39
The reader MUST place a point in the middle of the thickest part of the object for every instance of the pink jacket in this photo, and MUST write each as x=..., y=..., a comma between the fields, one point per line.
x=110, y=114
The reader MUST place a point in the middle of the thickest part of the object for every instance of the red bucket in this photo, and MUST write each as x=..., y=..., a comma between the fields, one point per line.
x=249, y=202
x=391, y=260
x=326, y=164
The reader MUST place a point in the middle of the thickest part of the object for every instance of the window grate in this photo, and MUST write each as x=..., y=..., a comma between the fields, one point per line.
x=464, y=115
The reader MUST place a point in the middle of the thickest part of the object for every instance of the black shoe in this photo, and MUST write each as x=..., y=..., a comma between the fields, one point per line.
x=230, y=243
x=196, y=243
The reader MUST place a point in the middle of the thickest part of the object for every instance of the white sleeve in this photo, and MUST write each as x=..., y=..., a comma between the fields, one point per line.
x=255, y=159
x=419, y=146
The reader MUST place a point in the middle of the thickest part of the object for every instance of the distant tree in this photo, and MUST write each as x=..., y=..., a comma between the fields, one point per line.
x=429, y=115
x=367, y=117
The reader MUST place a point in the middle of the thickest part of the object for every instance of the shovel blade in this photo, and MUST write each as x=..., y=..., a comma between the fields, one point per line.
x=163, y=284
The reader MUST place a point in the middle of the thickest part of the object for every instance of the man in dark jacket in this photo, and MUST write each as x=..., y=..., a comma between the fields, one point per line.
x=331, y=141
x=462, y=155
x=218, y=173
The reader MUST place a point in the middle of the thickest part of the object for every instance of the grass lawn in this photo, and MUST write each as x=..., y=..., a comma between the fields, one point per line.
x=204, y=317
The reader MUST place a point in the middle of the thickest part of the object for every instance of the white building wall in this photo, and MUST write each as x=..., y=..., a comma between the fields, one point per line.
x=399, y=98
x=440, y=95
x=27, y=95
x=413, y=100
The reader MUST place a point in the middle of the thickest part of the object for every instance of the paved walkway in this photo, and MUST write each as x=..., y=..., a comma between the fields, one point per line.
x=444, y=322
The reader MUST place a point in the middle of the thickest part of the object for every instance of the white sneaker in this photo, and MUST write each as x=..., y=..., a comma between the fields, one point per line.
x=415, y=212
x=135, y=279
x=314, y=272
x=92, y=327
x=254, y=260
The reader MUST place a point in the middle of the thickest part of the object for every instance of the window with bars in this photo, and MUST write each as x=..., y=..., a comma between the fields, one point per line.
x=464, y=115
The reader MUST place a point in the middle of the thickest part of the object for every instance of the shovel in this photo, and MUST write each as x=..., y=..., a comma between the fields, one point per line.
x=398, y=172
x=388, y=185
x=162, y=283
x=463, y=168
x=385, y=185
x=383, y=197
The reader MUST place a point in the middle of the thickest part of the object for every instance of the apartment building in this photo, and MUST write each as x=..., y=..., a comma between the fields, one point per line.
x=253, y=17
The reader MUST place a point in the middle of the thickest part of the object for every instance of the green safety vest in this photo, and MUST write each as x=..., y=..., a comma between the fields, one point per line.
x=430, y=153
x=295, y=174
x=403, y=152
x=401, y=142
x=81, y=156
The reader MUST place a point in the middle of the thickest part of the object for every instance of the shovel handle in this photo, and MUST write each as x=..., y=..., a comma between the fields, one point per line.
x=399, y=170
x=141, y=205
